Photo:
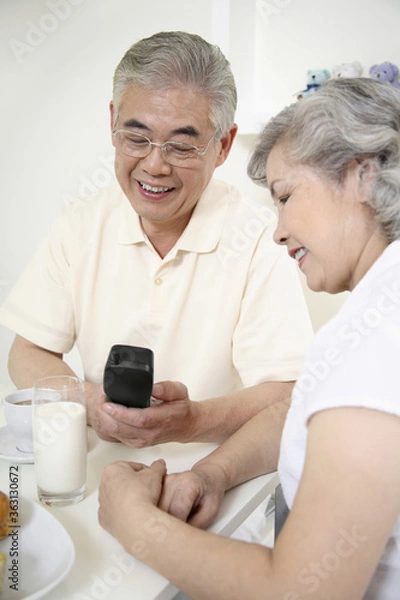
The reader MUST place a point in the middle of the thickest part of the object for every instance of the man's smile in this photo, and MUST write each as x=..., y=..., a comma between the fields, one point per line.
x=154, y=189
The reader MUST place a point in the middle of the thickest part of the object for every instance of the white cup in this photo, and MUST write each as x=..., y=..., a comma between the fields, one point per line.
x=17, y=408
x=59, y=439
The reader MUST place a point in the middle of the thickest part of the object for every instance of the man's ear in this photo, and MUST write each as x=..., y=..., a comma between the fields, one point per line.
x=226, y=145
x=113, y=119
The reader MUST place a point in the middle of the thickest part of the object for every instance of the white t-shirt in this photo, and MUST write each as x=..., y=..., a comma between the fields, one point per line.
x=354, y=361
x=224, y=309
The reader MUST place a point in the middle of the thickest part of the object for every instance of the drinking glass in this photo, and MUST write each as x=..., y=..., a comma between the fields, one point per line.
x=59, y=439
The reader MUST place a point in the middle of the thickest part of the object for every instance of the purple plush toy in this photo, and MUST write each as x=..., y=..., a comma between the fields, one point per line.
x=385, y=72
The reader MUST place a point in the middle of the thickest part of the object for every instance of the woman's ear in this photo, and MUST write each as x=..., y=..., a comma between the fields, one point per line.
x=367, y=169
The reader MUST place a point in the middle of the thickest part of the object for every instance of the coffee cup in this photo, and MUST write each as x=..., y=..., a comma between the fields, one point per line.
x=17, y=407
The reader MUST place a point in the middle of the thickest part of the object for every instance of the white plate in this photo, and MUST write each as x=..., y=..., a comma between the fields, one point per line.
x=45, y=553
x=9, y=451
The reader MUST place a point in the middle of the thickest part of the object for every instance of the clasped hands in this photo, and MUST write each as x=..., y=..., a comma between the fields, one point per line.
x=193, y=496
x=130, y=491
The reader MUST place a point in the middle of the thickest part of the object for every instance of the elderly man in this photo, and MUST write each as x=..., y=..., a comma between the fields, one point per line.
x=171, y=260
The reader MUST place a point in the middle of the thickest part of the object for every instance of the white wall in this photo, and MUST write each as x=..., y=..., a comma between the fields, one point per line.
x=57, y=64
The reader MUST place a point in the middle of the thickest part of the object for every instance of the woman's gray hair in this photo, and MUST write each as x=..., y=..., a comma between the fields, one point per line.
x=176, y=58
x=345, y=120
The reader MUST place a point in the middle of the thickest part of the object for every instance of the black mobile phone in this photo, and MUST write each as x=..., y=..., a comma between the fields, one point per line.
x=128, y=375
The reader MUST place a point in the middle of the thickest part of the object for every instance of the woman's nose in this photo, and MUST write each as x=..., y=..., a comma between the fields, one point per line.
x=280, y=234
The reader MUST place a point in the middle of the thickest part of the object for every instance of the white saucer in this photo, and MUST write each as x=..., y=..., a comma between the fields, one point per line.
x=44, y=550
x=8, y=448
x=10, y=452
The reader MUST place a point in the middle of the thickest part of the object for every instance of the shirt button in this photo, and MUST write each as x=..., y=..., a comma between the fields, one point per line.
x=158, y=281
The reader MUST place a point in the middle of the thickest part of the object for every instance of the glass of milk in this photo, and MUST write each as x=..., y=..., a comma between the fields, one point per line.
x=59, y=439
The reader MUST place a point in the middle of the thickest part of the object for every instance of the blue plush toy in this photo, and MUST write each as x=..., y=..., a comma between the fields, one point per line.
x=314, y=79
x=386, y=71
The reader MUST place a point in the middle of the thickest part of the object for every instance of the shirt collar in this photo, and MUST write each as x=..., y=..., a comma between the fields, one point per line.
x=203, y=231
x=130, y=230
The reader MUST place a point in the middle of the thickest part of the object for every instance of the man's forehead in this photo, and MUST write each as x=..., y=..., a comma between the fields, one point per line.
x=178, y=111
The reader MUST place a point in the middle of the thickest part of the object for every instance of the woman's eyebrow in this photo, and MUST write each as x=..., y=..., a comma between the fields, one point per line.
x=272, y=189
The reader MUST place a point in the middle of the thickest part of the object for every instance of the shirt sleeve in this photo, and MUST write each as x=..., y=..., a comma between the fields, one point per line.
x=39, y=306
x=362, y=372
x=274, y=330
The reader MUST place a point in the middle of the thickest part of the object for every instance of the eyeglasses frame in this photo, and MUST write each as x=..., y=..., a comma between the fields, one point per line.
x=201, y=150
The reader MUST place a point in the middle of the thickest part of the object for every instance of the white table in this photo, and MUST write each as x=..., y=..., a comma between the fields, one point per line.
x=97, y=572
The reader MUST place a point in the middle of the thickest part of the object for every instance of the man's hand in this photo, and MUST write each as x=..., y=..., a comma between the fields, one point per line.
x=194, y=496
x=170, y=418
x=95, y=400
x=173, y=417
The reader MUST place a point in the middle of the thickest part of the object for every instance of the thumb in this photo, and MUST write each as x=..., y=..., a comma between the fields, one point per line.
x=170, y=391
x=160, y=466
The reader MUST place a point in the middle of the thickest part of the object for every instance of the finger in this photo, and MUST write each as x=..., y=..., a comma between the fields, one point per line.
x=122, y=423
x=123, y=420
x=179, y=498
x=160, y=469
x=160, y=466
x=183, y=508
x=119, y=411
x=136, y=466
x=203, y=515
x=128, y=422
x=160, y=461
x=170, y=391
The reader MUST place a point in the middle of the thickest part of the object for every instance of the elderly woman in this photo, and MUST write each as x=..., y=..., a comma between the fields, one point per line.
x=332, y=165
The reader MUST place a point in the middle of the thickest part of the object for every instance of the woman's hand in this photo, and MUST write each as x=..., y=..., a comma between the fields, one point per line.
x=126, y=489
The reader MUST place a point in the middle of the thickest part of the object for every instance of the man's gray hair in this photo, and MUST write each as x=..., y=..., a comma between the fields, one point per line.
x=345, y=120
x=176, y=58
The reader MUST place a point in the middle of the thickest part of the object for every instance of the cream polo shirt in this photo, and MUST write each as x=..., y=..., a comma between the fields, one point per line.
x=224, y=309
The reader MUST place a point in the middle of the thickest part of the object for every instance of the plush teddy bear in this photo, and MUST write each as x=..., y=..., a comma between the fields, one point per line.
x=386, y=71
x=353, y=69
x=314, y=79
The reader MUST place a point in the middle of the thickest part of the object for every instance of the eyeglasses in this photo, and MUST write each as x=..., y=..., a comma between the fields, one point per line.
x=177, y=154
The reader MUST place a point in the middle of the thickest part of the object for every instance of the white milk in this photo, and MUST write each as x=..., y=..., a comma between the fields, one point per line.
x=60, y=446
